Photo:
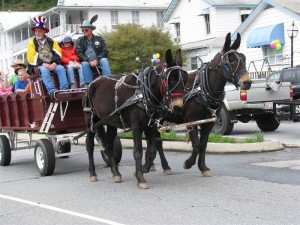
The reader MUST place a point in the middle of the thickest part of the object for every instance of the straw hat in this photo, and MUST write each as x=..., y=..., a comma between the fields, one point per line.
x=18, y=63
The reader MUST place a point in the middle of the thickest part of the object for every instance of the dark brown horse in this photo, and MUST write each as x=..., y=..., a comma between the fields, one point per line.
x=204, y=100
x=136, y=102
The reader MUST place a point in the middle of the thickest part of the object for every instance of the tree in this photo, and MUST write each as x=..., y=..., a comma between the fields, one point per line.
x=130, y=41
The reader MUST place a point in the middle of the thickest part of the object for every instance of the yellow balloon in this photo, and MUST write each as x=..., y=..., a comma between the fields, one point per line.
x=157, y=55
x=277, y=41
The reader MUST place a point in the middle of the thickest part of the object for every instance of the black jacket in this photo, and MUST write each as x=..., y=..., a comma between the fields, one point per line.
x=98, y=44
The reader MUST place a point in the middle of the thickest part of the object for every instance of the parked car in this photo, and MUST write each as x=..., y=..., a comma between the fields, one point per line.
x=288, y=75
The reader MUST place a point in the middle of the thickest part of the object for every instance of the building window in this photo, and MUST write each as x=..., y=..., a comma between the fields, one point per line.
x=244, y=17
x=159, y=16
x=135, y=17
x=114, y=19
x=177, y=29
x=207, y=23
x=194, y=63
x=272, y=55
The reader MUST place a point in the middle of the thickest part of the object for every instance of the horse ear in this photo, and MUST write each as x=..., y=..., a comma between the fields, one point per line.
x=227, y=43
x=178, y=58
x=94, y=18
x=237, y=42
x=168, y=57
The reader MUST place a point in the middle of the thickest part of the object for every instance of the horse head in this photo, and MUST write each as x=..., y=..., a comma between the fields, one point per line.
x=232, y=63
x=173, y=79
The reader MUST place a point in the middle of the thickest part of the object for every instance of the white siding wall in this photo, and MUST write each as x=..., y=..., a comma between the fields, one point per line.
x=192, y=25
x=147, y=18
x=227, y=20
x=268, y=17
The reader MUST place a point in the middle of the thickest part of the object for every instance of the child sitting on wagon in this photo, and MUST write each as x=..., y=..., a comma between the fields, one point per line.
x=3, y=89
x=71, y=61
x=22, y=83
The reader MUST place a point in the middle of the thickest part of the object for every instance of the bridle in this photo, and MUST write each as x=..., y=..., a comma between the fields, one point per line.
x=165, y=75
x=230, y=74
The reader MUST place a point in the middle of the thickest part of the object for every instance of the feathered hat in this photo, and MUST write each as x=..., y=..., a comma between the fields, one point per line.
x=89, y=24
x=39, y=22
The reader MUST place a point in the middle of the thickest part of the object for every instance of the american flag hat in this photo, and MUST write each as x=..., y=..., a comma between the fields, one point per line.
x=39, y=22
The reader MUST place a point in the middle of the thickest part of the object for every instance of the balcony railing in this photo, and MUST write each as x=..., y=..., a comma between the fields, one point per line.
x=54, y=32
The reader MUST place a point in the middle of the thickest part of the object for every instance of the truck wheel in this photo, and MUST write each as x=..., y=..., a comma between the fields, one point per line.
x=267, y=122
x=5, y=151
x=44, y=157
x=223, y=125
x=117, y=151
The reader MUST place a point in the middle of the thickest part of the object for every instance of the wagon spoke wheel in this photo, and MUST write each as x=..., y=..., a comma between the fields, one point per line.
x=5, y=151
x=44, y=157
x=117, y=151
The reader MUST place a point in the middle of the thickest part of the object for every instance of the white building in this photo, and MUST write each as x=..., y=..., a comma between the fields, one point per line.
x=200, y=26
x=68, y=15
x=271, y=20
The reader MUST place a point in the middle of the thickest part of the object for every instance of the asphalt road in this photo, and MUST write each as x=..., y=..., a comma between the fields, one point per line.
x=253, y=188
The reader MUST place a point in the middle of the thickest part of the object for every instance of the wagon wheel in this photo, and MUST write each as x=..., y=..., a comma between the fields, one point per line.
x=44, y=157
x=117, y=151
x=5, y=151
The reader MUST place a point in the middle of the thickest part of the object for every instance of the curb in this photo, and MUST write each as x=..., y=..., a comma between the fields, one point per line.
x=267, y=145
x=186, y=146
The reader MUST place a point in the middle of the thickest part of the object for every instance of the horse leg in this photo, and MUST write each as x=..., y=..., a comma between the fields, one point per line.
x=150, y=134
x=163, y=160
x=195, y=144
x=110, y=138
x=164, y=163
x=204, y=134
x=138, y=156
x=90, y=144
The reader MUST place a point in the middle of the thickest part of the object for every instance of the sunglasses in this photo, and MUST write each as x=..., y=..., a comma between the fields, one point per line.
x=85, y=30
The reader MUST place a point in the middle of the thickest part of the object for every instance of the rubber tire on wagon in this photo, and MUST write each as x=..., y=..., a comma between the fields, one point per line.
x=267, y=122
x=117, y=151
x=223, y=125
x=5, y=151
x=44, y=157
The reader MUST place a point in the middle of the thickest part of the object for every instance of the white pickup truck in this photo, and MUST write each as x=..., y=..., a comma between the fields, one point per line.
x=254, y=104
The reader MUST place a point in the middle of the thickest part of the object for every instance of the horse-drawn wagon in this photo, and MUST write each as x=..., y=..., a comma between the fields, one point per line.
x=58, y=118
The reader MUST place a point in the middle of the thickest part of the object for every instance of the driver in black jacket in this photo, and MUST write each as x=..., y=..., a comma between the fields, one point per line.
x=92, y=51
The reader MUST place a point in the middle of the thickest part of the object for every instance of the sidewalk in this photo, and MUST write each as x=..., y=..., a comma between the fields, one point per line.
x=267, y=145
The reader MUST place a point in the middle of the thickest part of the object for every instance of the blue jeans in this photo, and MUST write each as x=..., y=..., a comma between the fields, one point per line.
x=70, y=73
x=105, y=67
x=61, y=75
x=87, y=71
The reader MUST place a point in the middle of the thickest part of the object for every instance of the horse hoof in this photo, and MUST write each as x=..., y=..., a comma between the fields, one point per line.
x=152, y=168
x=168, y=172
x=207, y=173
x=93, y=179
x=143, y=186
x=186, y=166
x=117, y=179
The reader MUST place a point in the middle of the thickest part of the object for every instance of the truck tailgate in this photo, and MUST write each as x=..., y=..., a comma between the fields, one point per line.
x=261, y=92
